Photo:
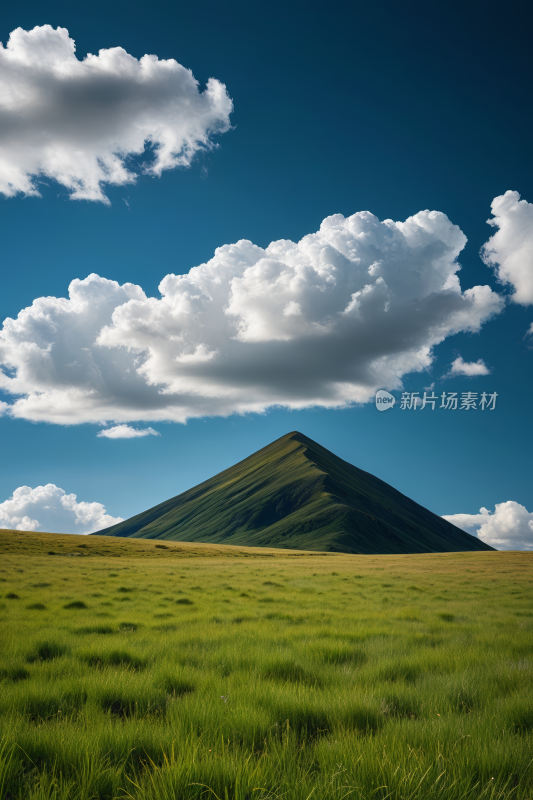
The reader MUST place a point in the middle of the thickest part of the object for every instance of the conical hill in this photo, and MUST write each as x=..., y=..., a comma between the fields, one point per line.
x=296, y=494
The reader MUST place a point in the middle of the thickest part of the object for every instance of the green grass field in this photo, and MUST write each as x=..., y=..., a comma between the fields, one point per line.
x=167, y=671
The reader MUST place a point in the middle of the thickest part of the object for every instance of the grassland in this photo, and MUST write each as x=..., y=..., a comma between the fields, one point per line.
x=152, y=670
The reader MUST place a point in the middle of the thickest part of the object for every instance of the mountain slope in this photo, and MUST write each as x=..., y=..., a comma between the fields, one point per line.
x=296, y=494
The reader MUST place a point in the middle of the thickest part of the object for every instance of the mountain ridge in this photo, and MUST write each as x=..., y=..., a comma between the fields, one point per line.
x=294, y=493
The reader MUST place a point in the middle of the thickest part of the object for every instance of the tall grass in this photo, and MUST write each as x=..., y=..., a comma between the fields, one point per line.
x=366, y=677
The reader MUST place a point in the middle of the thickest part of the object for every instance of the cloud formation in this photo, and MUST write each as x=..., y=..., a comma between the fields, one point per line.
x=510, y=251
x=510, y=527
x=126, y=432
x=323, y=322
x=77, y=122
x=50, y=509
x=468, y=368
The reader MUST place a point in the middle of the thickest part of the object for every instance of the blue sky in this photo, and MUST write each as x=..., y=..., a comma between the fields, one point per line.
x=337, y=109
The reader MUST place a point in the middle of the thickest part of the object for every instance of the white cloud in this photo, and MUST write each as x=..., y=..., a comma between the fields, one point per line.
x=468, y=368
x=4, y=408
x=126, y=432
x=510, y=250
x=324, y=322
x=78, y=121
x=510, y=527
x=50, y=509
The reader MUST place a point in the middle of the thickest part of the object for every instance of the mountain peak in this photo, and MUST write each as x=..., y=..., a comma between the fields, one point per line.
x=302, y=498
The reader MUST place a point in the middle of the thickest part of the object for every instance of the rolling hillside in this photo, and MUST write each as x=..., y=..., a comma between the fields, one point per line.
x=296, y=494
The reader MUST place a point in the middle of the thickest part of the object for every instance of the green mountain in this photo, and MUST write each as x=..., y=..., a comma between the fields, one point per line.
x=296, y=494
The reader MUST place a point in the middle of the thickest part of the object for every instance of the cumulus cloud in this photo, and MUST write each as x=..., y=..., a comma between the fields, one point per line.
x=77, y=122
x=50, y=509
x=126, y=432
x=509, y=527
x=4, y=408
x=510, y=250
x=468, y=368
x=322, y=322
